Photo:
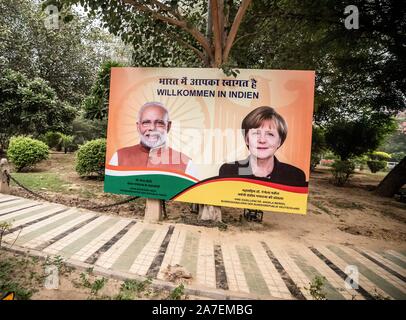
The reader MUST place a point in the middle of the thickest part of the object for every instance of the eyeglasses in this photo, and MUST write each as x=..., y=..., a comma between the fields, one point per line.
x=156, y=123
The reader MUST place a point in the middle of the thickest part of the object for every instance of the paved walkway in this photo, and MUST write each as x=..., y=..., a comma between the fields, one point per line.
x=220, y=263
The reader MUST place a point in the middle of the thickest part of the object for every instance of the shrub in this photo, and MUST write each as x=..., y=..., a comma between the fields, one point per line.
x=379, y=155
x=67, y=143
x=53, y=139
x=361, y=162
x=342, y=171
x=398, y=156
x=330, y=156
x=378, y=161
x=376, y=165
x=25, y=152
x=91, y=157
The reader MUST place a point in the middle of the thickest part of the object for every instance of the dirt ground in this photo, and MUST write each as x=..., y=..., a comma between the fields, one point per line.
x=342, y=215
x=26, y=277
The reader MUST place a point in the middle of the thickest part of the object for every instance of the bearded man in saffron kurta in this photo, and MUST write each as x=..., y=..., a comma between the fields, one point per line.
x=153, y=126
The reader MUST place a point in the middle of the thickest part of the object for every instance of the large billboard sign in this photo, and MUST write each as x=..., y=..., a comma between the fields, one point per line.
x=198, y=136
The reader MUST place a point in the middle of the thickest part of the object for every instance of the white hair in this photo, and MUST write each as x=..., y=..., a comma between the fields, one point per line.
x=153, y=104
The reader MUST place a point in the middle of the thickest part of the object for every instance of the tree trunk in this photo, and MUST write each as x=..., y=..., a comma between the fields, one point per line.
x=393, y=181
x=214, y=26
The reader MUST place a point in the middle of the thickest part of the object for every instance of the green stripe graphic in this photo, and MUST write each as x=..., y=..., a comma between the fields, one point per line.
x=158, y=186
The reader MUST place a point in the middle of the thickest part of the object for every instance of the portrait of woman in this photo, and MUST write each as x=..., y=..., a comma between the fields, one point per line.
x=264, y=132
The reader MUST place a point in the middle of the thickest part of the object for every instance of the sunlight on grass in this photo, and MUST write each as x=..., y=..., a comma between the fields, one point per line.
x=40, y=181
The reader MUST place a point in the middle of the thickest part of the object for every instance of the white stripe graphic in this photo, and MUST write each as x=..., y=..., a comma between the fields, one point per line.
x=120, y=173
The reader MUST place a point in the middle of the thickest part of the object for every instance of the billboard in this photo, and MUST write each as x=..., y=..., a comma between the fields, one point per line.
x=199, y=136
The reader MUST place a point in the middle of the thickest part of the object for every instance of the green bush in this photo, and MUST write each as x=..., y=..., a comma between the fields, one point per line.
x=329, y=155
x=376, y=165
x=91, y=157
x=67, y=143
x=379, y=155
x=59, y=141
x=53, y=139
x=361, y=162
x=398, y=156
x=342, y=171
x=25, y=152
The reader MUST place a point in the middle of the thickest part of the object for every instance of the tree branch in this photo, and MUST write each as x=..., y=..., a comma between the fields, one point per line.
x=200, y=38
x=226, y=20
x=234, y=28
x=216, y=33
x=187, y=45
x=166, y=8
x=221, y=21
x=246, y=35
x=260, y=27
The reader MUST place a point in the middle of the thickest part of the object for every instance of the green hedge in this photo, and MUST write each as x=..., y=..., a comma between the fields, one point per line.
x=380, y=155
x=53, y=140
x=376, y=165
x=91, y=157
x=25, y=152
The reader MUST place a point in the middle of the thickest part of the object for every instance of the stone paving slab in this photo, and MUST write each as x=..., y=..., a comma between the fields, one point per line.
x=221, y=267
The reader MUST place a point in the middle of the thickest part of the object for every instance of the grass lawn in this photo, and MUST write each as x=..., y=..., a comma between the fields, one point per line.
x=37, y=181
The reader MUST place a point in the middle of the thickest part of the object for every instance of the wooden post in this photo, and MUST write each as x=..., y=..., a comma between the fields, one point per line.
x=153, y=210
x=4, y=179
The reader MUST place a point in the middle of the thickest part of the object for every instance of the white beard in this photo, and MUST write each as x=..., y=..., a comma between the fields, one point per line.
x=154, y=144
